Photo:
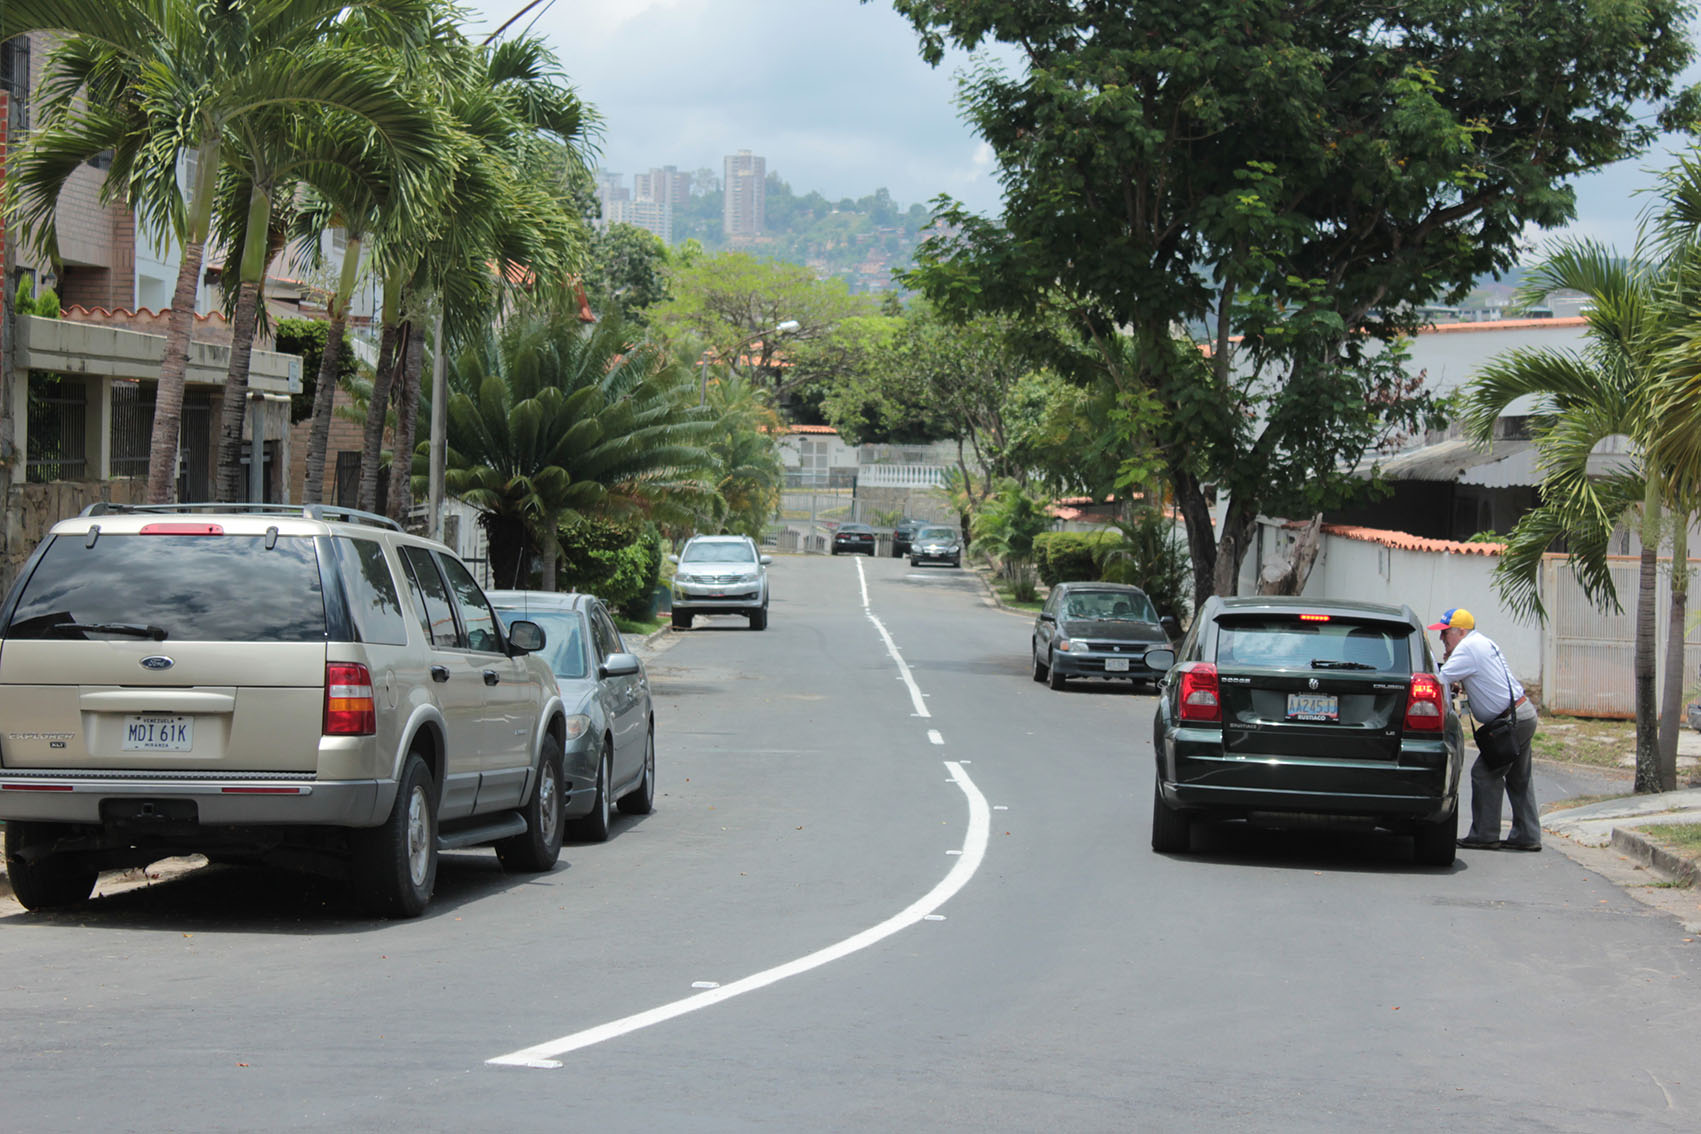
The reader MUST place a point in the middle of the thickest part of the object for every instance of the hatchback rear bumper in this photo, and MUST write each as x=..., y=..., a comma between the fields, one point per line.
x=97, y=797
x=1421, y=784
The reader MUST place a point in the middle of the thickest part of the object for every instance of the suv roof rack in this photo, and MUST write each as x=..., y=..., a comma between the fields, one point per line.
x=306, y=511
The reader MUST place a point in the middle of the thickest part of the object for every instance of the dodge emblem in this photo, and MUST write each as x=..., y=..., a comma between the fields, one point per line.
x=159, y=661
x=1312, y=683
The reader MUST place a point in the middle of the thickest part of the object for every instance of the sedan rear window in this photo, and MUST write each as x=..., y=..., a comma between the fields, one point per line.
x=1289, y=643
x=221, y=588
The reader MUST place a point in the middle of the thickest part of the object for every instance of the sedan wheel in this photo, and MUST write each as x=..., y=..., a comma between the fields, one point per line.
x=641, y=799
x=1040, y=668
x=1058, y=681
x=593, y=828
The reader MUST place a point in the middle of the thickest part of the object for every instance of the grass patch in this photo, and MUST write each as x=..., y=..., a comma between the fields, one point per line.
x=1584, y=740
x=1576, y=801
x=638, y=627
x=1679, y=836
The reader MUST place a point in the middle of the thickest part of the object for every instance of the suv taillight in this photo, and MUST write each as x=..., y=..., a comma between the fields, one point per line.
x=349, y=708
x=1199, y=692
x=1423, y=704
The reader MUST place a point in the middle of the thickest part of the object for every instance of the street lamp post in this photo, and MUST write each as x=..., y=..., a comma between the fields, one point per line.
x=784, y=328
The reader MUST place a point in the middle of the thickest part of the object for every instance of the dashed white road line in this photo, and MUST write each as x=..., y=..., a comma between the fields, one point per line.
x=934, y=737
x=549, y=1053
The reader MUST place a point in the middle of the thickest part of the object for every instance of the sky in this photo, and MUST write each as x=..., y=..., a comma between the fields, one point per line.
x=833, y=93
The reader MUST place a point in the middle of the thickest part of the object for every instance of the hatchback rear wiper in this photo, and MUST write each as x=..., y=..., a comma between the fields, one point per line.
x=157, y=633
x=1326, y=663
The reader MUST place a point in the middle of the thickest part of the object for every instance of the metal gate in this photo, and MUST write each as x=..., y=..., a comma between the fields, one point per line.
x=1588, y=653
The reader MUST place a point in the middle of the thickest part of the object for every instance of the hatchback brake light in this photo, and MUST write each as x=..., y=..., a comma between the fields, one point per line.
x=1424, y=712
x=349, y=708
x=1199, y=692
x=182, y=529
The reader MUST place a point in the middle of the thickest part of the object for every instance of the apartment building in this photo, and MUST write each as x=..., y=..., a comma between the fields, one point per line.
x=745, y=189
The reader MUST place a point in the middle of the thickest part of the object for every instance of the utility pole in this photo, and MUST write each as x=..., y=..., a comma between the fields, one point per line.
x=439, y=448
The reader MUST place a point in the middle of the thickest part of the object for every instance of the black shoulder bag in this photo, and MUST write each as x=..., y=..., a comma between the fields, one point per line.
x=1497, y=738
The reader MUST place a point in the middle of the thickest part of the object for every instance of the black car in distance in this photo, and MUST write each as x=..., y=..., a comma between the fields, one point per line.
x=903, y=534
x=1106, y=630
x=854, y=538
x=1305, y=712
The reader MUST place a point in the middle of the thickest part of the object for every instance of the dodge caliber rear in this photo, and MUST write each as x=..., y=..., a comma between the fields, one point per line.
x=1297, y=712
x=172, y=679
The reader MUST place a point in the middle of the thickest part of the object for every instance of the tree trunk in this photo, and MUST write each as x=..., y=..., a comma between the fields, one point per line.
x=550, y=537
x=508, y=550
x=1647, y=712
x=1291, y=579
x=407, y=422
x=1238, y=526
x=230, y=486
x=168, y=392
x=1671, y=691
x=376, y=407
x=325, y=393
x=1201, y=534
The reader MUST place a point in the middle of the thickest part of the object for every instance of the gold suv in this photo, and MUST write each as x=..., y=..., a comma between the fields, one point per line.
x=304, y=686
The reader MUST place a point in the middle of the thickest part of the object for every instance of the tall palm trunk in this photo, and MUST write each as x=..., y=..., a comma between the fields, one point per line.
x=256, y=252
x=168, y=392
x=325, y=392
x=378, y=406
x=549, y=535
x=1671, y=686
x=407, y=421
x=1647, y=710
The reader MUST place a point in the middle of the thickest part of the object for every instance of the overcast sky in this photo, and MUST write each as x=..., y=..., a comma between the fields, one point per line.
x=831, y=92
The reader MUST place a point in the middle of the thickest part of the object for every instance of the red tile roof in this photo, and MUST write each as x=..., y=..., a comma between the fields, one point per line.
x=1404, y=541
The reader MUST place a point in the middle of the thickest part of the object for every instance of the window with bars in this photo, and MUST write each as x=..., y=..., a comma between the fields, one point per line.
x=58, y=415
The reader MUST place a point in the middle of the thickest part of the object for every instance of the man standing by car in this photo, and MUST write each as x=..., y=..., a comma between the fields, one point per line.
x=1475, y=662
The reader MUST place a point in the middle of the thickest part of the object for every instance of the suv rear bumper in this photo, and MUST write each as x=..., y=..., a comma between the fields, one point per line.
x=77, y=797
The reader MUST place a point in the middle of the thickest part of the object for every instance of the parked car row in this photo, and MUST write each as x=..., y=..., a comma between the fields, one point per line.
x=306, y=686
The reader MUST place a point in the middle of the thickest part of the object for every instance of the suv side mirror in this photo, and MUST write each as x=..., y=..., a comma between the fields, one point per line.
x=525, y=637
x=1170, y=625
x=618, y=665
x=673, y=559
x=765, y=559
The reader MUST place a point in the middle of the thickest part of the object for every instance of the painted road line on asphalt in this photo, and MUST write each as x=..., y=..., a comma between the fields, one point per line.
x=548, y=1054
x=934, y=737
x=892, y=648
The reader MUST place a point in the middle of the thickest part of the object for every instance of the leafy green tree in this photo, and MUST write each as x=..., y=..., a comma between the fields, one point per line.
x=307, y=337
x=1298, y=176
x=1004, y=528
x=626, y=272
x=550, y=422
x=748, y=473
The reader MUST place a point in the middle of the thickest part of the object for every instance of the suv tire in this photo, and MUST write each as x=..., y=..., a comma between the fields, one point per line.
x=681, y=620
x=593, y=828
x=46, y=883
x=395, y=864
x=641, y=800
x=759, y=619
x=538, y=849
x=1172, y=830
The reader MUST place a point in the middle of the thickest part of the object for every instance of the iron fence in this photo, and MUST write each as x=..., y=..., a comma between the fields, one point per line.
x=58, y=417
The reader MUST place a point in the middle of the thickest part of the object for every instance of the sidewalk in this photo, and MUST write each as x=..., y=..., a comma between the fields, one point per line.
x=1616, y=823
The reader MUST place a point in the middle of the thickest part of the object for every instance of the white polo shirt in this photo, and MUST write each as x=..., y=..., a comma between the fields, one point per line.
x=1479, y=666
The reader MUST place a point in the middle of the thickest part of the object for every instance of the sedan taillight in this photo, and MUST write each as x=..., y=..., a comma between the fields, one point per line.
x=349, y=707
x=1199, y=692
x=1424, y=712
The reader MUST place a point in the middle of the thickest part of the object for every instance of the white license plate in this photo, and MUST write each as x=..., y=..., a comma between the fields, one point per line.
x=1116, y=665
x=158, y=734
x=1313, y=707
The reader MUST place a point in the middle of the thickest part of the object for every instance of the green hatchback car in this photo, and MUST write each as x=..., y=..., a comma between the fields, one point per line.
x=1293, y=712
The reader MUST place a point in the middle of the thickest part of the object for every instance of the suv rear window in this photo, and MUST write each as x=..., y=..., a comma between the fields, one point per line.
x=1289, y=643
x=196, y=588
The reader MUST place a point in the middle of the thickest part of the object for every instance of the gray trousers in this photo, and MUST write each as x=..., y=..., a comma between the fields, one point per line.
x=1514, y=781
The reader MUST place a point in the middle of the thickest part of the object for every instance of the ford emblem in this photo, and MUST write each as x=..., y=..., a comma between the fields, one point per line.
x=157, y=662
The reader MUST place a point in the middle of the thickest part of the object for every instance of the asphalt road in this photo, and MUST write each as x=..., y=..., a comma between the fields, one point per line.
x=886, y=885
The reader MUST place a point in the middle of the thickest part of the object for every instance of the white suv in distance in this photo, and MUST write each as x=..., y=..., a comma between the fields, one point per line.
x=304, y=686
x=720, y=574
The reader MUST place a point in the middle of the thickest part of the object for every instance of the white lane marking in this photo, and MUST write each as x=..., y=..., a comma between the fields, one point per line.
x=892, y=648
x=705, y=984
x=933, y=735
x=547, y=1054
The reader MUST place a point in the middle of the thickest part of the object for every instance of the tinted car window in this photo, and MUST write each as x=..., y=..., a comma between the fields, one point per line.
x=372, y=592
x=718, y=553
x=476, y=613
x=605, y=635
x=936, y=533
x=431, y=599
x=564, y=646
x=195, y=588
x=1287, y=643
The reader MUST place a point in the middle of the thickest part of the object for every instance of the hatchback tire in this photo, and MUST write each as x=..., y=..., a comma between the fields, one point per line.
x=641, y=800
x=395, y=864
x=1172, y=830
x=1437, y=844
x=1040, y=668
x=593, y=828
x=1058, y=681
x=47, y=882
x=538, y=849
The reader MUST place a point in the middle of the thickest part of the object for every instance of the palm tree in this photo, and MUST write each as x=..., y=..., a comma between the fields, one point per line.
x=193, y=70
x=1584, y=398
x=550, y=421
x=749, y=473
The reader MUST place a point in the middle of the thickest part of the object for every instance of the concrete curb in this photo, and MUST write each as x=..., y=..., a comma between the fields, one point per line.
x=1651, y=854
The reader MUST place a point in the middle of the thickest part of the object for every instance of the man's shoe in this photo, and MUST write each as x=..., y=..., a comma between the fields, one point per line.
x=1522, y=846
x=1481, y=844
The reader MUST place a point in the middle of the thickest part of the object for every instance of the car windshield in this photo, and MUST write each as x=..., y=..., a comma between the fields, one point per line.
x=1110, y=606
x=728, y=552
x=1289, y=643
x=562, y=647
x=943, y=534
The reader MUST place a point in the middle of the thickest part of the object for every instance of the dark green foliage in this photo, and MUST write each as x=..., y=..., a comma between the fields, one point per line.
x=46, y=304
x=1065, y=557
x=306, y=337
x=1144, y=553
x=619, y=563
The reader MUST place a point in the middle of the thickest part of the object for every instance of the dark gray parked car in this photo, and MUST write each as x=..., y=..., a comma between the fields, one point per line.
x=610, y=752
x=1099, y=630
x=1300, y=711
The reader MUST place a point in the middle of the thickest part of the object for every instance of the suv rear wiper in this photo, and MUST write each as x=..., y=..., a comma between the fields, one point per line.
x=1326, y=663
x=157, y=633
